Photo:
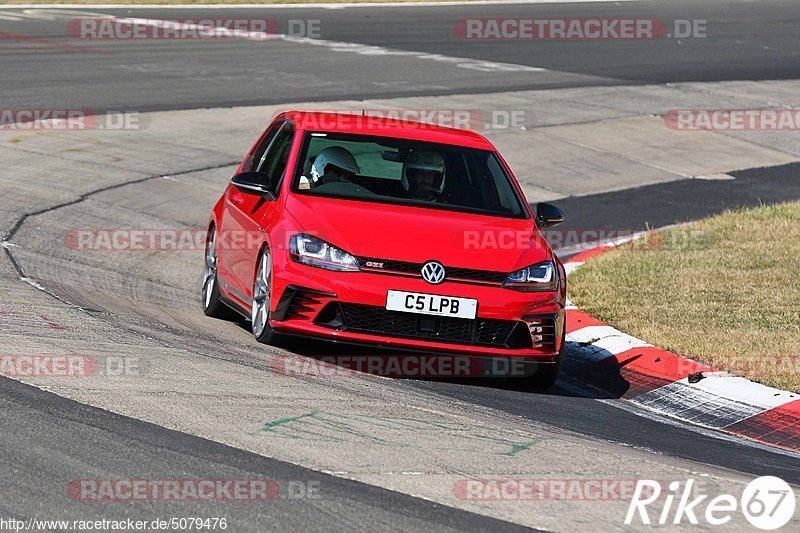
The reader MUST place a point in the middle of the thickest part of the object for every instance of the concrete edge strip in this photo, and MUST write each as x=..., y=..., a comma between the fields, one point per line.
x=664, y=382
x=320, y=5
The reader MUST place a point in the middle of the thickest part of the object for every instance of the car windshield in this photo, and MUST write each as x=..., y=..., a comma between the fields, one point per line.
x=398, y=171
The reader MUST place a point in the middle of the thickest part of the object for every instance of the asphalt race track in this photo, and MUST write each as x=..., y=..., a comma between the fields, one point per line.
x=205, y=401
x=751, y=41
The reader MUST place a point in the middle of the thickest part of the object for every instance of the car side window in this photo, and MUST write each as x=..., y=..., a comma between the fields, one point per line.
x=273, y=164
x=255, y=157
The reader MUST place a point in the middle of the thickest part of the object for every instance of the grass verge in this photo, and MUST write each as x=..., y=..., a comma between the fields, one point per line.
x=723, y=291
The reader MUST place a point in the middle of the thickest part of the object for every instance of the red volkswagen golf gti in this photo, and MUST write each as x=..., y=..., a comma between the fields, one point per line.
x=387, y=233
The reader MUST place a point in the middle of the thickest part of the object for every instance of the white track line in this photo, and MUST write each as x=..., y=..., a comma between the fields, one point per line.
x=371, y=50
x=593, y=344
x=571, y=267
x=339, y=46
x=607, y=338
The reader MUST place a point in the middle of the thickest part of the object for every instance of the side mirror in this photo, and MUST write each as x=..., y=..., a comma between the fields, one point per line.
x=548, y=215
x=253, y=183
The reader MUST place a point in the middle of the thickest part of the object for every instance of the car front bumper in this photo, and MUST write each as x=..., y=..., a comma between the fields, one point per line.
x=350, y=307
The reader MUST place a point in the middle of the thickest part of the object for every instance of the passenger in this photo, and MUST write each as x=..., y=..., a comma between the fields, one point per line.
x=333, y=164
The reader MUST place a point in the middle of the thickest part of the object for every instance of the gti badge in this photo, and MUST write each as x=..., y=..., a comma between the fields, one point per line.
x=433, y=272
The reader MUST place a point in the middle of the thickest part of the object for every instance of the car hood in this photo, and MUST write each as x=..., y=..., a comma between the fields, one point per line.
x=413, y=234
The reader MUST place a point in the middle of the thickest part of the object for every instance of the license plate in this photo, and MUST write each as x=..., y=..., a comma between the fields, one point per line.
x=431, y=304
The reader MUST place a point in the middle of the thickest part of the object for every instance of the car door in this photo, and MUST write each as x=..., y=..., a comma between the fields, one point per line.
x=245, y=213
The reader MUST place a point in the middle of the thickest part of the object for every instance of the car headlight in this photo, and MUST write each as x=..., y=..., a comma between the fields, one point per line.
x=539, y=277
x=312, y=251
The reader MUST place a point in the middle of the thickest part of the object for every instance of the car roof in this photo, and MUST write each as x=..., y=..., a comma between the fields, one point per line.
x=385, y=127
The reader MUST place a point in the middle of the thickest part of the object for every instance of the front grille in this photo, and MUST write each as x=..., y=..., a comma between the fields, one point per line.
x=415, y=270
x=486, y=276
x=480, y=332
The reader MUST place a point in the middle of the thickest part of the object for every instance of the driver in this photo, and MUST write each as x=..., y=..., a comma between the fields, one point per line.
x=423, y=175
x=333, y=164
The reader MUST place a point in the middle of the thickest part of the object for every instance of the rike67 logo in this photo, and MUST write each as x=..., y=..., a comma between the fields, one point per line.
x=767, y=503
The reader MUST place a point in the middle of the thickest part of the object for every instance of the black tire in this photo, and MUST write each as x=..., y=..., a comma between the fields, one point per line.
x=546, y=375
x=210, y=298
